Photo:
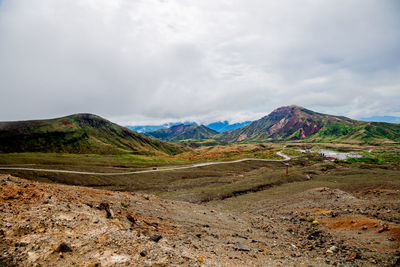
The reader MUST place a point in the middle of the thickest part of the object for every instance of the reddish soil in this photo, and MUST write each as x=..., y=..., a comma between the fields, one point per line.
x=59, y=225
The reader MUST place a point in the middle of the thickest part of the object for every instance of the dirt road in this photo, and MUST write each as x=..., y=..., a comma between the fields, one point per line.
x=279, y=153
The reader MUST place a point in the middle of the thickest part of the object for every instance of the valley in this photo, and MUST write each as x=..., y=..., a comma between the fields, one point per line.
x=197, y=201
x=204, y=173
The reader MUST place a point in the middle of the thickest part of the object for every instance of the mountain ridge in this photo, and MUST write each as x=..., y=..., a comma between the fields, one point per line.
x=151, y=128
x=183, y=132
x=77, y=133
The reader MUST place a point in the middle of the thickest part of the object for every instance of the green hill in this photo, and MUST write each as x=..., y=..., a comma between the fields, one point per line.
x=80, y=133
x=298, y=123
x=183, y=132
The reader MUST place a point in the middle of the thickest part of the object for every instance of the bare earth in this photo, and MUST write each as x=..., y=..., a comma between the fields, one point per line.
x=59, y=225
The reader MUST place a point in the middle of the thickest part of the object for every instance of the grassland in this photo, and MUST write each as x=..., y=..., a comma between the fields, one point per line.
x=127, y=162
x=231, y=186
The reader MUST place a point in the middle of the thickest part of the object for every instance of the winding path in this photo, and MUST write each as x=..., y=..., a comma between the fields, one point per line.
x=286, y=158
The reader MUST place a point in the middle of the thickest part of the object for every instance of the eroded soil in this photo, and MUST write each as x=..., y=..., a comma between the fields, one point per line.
x=60, y=225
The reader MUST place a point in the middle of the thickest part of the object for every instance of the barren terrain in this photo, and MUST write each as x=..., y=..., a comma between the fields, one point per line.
x=55, y=225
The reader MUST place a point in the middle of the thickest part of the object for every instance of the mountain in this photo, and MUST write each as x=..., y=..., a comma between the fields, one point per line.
x=182, y=132
x=80, y=133
x=149, y=128
x=219, y=126
x=298, y=123
x=152, y=128
x=226, y=126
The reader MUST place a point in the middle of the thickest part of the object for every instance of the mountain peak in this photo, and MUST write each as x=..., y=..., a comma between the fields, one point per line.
x=287, y=112
x=293, y=109
x=84, y=115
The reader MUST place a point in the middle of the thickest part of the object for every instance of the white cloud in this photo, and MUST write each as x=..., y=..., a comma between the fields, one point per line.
x=173, y=60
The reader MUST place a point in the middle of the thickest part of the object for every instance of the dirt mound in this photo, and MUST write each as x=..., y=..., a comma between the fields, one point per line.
x=327, y=194
x=322, y=199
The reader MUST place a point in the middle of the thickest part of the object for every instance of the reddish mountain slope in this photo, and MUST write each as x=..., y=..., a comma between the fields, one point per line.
x=295, y=123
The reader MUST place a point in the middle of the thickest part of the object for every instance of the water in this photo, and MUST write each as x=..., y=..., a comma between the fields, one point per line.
x=333, y=154
x=339, y=155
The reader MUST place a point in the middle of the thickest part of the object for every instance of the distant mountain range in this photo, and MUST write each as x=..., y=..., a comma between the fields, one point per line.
x=79, y=133
x=220, y=126
x=183, y=132
x=152, y=128
x=390, y=119
x=224, y=126
x=298, y=123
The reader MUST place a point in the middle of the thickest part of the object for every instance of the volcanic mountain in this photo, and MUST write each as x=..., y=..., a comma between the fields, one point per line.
x=182, y=132
x=297, y=123
x=79, y=133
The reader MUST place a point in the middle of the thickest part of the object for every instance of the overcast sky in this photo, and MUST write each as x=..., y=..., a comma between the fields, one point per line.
x=154, y=61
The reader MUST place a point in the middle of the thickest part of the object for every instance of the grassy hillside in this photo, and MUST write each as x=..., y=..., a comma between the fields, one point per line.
x=183, y=132
x=297, y=123
x=359, y=131
x=80, y=133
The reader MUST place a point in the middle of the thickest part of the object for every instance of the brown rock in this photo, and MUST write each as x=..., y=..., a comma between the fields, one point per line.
x=63, y=247
x=131, y=218
x=106, y=207
x=155, y=238
x=241, y=247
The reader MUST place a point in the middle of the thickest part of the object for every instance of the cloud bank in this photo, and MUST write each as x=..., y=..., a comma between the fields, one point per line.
x=145, y=62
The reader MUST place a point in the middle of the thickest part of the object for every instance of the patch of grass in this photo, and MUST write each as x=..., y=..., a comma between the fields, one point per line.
x=125, y=205
x=354, y=160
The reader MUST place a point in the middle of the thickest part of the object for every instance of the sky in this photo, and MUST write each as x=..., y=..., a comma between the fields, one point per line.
x=155, y=61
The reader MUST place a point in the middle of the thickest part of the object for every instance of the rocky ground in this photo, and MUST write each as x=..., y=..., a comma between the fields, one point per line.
x=346, y=229
x=59, y=225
